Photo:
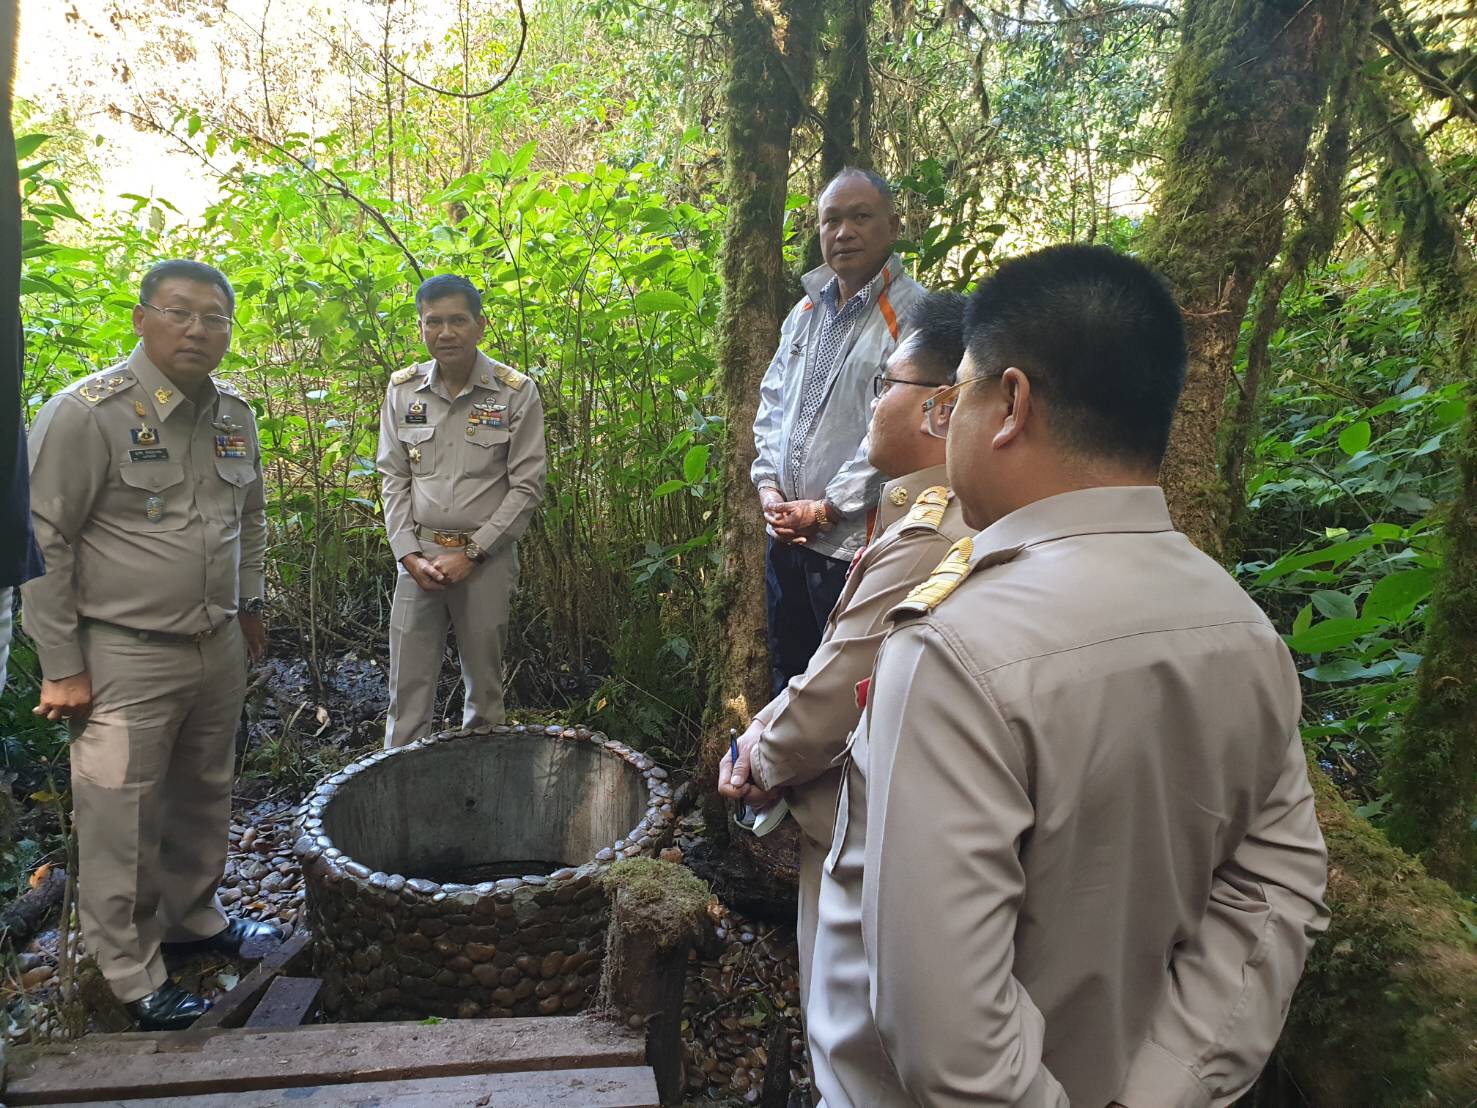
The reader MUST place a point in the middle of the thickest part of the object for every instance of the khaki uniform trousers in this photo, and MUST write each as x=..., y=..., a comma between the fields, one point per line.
x=813, y=807
x=151, y=785
x=478, y=610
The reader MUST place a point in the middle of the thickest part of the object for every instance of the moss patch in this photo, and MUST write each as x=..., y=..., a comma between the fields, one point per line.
x=1386, y=1014
x=662, y=899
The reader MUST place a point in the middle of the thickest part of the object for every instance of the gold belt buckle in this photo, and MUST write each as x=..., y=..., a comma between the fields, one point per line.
x=448, y=538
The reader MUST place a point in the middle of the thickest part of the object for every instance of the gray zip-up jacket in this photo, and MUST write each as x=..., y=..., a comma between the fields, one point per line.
x=836, y=467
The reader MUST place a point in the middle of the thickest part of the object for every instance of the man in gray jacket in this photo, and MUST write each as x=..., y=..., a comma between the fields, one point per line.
x=816, y=487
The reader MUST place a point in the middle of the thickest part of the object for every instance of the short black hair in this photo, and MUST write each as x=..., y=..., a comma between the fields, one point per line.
x=1100, y=337
x=936, y=324
x=449, y=284
x=184, y=269
x=876, y=180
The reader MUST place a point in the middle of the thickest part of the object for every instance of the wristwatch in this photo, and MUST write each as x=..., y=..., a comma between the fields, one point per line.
x=475, y=554
x=823, y=516
x=253, y=605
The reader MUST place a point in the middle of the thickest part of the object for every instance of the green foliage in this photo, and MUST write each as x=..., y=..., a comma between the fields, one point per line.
x=596, y=283
x=1342, y=544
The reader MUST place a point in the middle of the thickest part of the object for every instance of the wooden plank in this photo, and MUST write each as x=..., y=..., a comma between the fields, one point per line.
x=609, y=1087
x=288, y=1002
x=190, y=1063
x=232, y=1009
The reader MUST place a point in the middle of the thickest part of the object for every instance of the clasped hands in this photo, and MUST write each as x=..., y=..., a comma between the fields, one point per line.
x=734, y=778
x=439, y=573
x=792, y=521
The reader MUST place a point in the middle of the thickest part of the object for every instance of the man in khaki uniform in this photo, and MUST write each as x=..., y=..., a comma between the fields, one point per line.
x=146, y=494
x=462, y=460
x=796, y=738
x=1075, y=858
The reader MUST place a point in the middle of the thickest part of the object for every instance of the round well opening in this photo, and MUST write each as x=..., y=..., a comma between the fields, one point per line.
x=460, y=875
x=473, y=812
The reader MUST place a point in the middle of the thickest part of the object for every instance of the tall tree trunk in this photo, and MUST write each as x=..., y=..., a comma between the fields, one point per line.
x=1432, y=768
x=1322, y=216
x=846, y=120
x=1244, y=92
x=1432, y=238
x=770, y=70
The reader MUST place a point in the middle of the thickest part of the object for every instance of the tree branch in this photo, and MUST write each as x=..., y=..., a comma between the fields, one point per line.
x=490, y=89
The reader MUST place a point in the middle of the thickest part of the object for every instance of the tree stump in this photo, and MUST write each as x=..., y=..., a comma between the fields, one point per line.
x=658, y=912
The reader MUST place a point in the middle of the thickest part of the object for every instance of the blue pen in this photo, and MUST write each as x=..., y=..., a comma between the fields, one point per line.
x=745, y=816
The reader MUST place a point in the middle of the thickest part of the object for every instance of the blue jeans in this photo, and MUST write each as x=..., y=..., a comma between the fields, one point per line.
x=800, y=589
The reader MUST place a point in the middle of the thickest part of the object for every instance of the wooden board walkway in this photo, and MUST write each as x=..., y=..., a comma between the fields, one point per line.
x=502, y=1063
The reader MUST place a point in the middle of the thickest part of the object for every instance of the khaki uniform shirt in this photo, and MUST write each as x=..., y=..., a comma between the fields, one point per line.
x=148, y=507
x=475, y=463
x=807, y=725
x=1076, y=827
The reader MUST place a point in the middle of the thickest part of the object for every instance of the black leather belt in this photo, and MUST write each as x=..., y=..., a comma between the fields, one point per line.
x=174, y=637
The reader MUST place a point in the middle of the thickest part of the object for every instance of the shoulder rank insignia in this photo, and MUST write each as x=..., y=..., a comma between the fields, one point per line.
x=928, y=509
x=400, y=376
x=104, y=385
x=941, y=582
x=509, y=376
x=225, y=388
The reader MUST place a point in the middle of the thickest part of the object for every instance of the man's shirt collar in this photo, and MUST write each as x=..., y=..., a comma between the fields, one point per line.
x=164, y=396
x=1111, y=509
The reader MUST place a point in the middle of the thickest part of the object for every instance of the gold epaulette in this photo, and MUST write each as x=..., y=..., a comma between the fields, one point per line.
x=400, y=376
x=102, y=386
x=928, y=510
x=509, y=376
x=941, y=582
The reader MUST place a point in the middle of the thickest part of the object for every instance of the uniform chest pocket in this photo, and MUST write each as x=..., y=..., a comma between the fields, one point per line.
x=420, y=449
x=155, y=497
x=238, y=475
x=488, y=449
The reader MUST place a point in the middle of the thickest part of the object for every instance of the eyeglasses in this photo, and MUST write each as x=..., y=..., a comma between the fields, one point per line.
x=882, y=382
x=183, y=317
x=938, y=408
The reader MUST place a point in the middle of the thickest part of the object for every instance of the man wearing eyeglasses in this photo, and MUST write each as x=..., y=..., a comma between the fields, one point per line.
x=816, y=487
x=1076, y=860
x=146, y=494
x=795, y=739
x=462, y=464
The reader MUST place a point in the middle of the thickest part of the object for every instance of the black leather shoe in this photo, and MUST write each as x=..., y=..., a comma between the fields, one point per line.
x=241, y=938
x=167, y=1008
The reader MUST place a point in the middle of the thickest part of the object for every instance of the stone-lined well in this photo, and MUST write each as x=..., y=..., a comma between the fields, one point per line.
x=411, y=859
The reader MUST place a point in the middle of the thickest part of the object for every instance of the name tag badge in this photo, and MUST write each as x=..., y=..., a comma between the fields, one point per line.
x=416, y=413
x=230, y=446
x=157, y=454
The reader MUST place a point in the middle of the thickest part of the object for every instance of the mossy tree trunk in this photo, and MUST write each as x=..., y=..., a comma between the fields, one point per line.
x=1244, y=92
x=1384, y=1016
x=1319, y=221
x=1432, y=238
x=770, y=72
x=1432, y=768
x=846, y=117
